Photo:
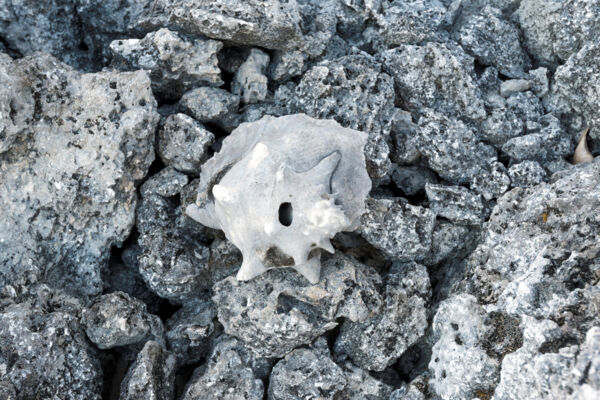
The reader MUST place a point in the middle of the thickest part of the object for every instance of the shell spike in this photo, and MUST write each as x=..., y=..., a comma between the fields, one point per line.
x=251, y=267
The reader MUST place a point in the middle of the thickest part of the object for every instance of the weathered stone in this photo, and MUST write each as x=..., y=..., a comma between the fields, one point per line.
x=71, y=157
x=456, y=203
x=250, y=81
x=183, y=143
x=378, y=342
x=279, y=310
x=175, y=65
x=512, y=86
x=402, y=231
x=526, y=174
x=411, y=180
x=152, y=375
x=116, y=319
x=409, y=22
x=208, y=104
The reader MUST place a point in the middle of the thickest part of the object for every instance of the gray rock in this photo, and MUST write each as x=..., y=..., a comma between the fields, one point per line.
x=70, y=162
x=512, y=86
x=152, y=376
x=229, y=374
x=175, y=65
x=456, y=203
x=279, y=310
x=546, y=141
x=539, y=81
x=307, y=373
x=183, y=143
x=409, y=21
x=460, y=367
x=250, y=81
x=166, y=183
x=434, y=76
x=553, y=30
x=494, y=41
x=111, y=16
x=450, y=241
x=452, y=149
x=402, y=231
x=116, y=319
x=501, y=125
x=378, y=342
x=404, y=138
x=411, y=180
x=286, y=65
x=342, y=89
x=179, y=260
x=43, y=354
x=264, y=23
x=190, y=330
x=30, y=26
x=526, y=174
x=574, y=91
x=208, y=104
x=491, y=183
x=361, y=385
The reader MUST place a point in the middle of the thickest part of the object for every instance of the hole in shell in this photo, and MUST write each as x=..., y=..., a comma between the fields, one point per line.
x=286, y=214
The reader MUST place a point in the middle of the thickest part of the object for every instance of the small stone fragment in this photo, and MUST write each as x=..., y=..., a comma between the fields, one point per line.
x=512, y=86
x=307, y=374
x=411, y=180
x=175, y=65
x=539, y=81
x=250, y=81
x=456, y=203
x=208, y=104
x=286, y=65
x=402, y=231
x=116, y=319
x=152, y=376
x=166, y=183
x=183, y=143
x=526, y=174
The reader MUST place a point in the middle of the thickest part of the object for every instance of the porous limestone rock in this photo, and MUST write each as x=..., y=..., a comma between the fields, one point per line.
x=175, y=65
x=279, y=311
x=280, y=206
x=73, y=148
x=250, y=81
x=151, y=376
x=409, y=21
x=210, y=104
x=456, y=203
x=117, y=319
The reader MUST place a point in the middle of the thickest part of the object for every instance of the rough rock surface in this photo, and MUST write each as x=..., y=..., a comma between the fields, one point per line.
x=73, y=147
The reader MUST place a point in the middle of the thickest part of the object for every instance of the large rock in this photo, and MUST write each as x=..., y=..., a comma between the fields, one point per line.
x=280, y=310
x=43, y=354
x=73, y=147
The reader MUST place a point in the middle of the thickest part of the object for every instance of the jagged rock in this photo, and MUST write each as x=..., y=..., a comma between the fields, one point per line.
x=231, y=373
x=491, y=183
x=165, y=183
x=545, y=141
x=456, y=203
x=378, y=342
x=411, y=180
x=179, y=260
x=71, y=157
x=286, y=65
x=175, y=65
x=402, y=231
x=116, y=319
x=434, y=76
x=459, y=365
x=183, y=143
x=152, y=376
x=361, y=385
x=307, y=374
x=342, y=89
x=526, y=174
x=452, y=149
x=43, y=354
x=208, y=104
x=539, y=81
x=250, y=81
x=279, y=310
x=190, y=329
x=264, y=23
x=575, y=92
x=404, y=135
x=409, y=22
x=494, y=41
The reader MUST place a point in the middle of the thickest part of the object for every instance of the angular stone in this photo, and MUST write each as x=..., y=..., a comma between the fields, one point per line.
x=526, y=174
x=175, y=65
x=378, y=342
x=512, y=86
x=116, y=319
x=152, y=376
x=411, y=180
x=69, y=168
x=183, y=143
x=409, y=22
x=279, y=310
x=456, y=203
x=208, y=104
x=402, y=231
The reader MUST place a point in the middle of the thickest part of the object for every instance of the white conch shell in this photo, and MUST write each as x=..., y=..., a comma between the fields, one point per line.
x=280, y=188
